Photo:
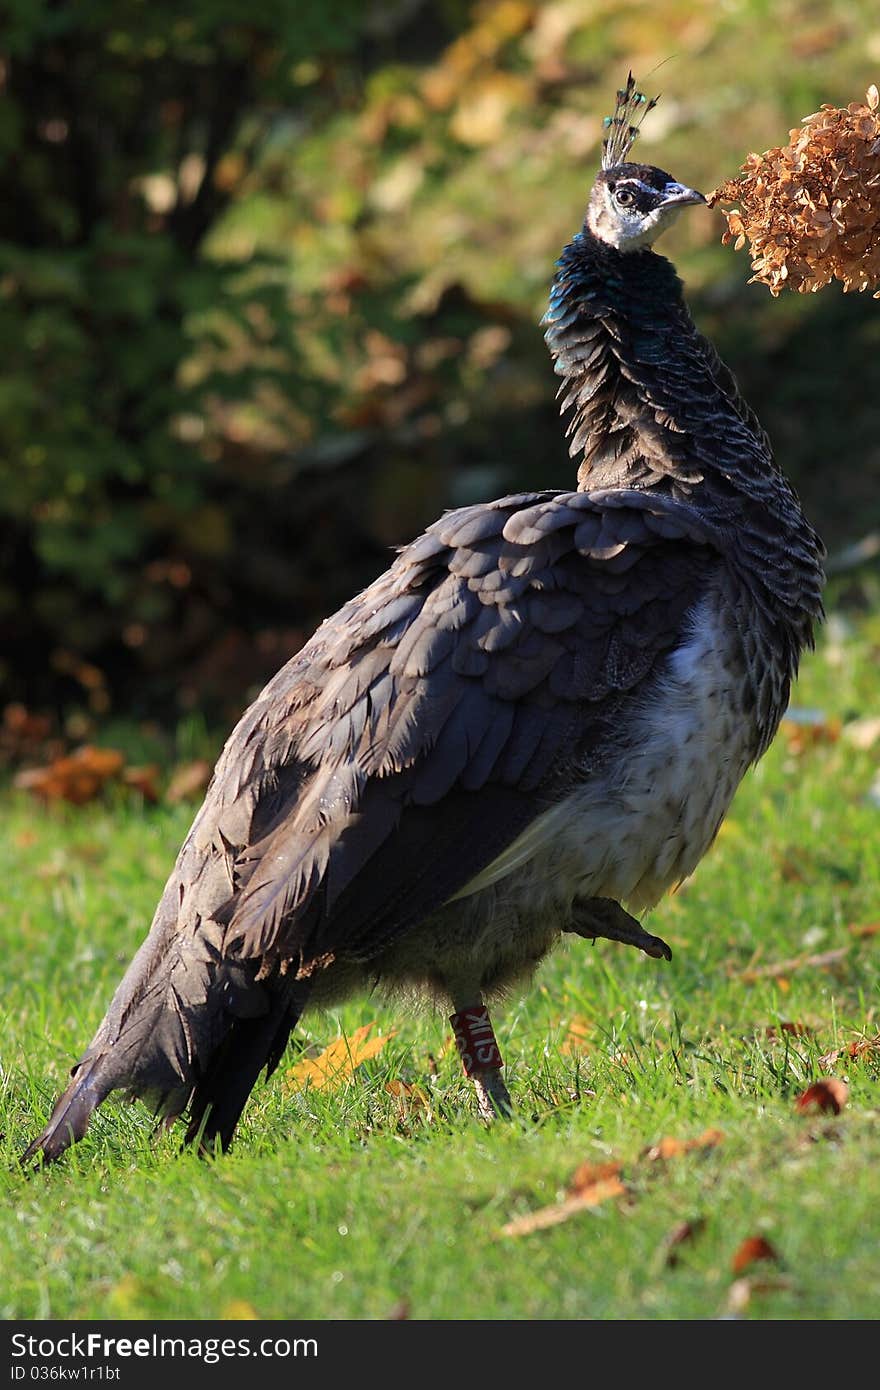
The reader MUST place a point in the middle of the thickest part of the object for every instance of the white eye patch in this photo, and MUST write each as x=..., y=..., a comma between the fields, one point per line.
x=636, y=185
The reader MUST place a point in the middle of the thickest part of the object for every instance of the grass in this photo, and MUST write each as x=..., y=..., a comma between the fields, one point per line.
x=354, y=1204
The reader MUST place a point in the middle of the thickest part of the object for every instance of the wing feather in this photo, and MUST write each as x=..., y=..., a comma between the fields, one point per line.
x=428, y=722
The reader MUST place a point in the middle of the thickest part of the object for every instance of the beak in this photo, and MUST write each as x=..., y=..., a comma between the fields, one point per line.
x=679, y=195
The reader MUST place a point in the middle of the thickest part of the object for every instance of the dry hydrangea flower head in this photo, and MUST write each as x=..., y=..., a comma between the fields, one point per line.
x=811, y=210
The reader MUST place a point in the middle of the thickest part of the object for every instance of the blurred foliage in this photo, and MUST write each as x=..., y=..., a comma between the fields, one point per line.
x=125, y=131
x=273, y=287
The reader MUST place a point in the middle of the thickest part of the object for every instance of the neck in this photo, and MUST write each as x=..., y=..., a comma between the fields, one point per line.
x=650, y=406
x=617, y=329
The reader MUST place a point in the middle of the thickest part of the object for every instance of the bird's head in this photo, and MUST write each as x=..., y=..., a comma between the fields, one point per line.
x=631, y=204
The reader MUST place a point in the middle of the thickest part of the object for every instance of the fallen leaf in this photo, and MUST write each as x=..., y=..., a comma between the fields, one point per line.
x=864, y=929
x=589, y=1174
x=790, y=868
x=589, y=1185
x=553, y=1215
x=668, y=1147
x=795, y=1030
x=740, y=1293
x=680, y=1235
x=576, y=1036
x=337, y=1062
x=188, y=780
x=788, y=967
x=77, y=778
x=858, y=1046
x=829, y=1060
x=104, y=761
x=752, y=1249
x=828, y=1096
x=408, y=1095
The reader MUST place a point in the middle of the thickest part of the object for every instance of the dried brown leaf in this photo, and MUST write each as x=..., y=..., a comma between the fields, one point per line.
x=739, y=1295
x=590, y=1185
x=669, y=1147
x=337, y=1063
x=858, y=1047
x=827, y=1096
x=790, y=867
x=589, y=1174
x=579, y=1030
x=78, y=778
x=750, y=1251
x=684, y=1232
x=408, y=1095
x=554, y=1215
x=864, y=929
x=792, y=1029
x=781, y=968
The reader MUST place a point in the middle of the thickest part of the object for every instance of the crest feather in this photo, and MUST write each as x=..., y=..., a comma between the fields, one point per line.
x=631, y=109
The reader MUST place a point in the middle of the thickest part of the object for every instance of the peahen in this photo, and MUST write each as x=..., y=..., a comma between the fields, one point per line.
x=538, y=714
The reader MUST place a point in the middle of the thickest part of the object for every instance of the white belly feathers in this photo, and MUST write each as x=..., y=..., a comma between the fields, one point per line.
x=634, y=830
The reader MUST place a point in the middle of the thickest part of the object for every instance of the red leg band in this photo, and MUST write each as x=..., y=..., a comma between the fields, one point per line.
x=475, y=1040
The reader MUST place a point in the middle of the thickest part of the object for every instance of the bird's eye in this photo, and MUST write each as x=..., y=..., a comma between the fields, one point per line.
x=623, y=196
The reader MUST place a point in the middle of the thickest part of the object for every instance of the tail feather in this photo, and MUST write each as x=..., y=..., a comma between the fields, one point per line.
x=185, y=1026
x=249, y=1045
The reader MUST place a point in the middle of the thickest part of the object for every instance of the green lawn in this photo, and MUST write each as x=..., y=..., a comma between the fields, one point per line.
x=354, y=1204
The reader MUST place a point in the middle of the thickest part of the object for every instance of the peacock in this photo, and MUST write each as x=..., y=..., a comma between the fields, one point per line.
x=531, y=724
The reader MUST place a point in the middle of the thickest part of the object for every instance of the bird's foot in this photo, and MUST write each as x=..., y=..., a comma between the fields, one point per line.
x=605, y=917
x=493, y=1097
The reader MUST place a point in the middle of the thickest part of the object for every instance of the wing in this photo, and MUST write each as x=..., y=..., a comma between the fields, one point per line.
x=428, y=722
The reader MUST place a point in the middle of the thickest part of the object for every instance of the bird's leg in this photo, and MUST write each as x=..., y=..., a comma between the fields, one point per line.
x=594, y=917
x=480, y=1054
